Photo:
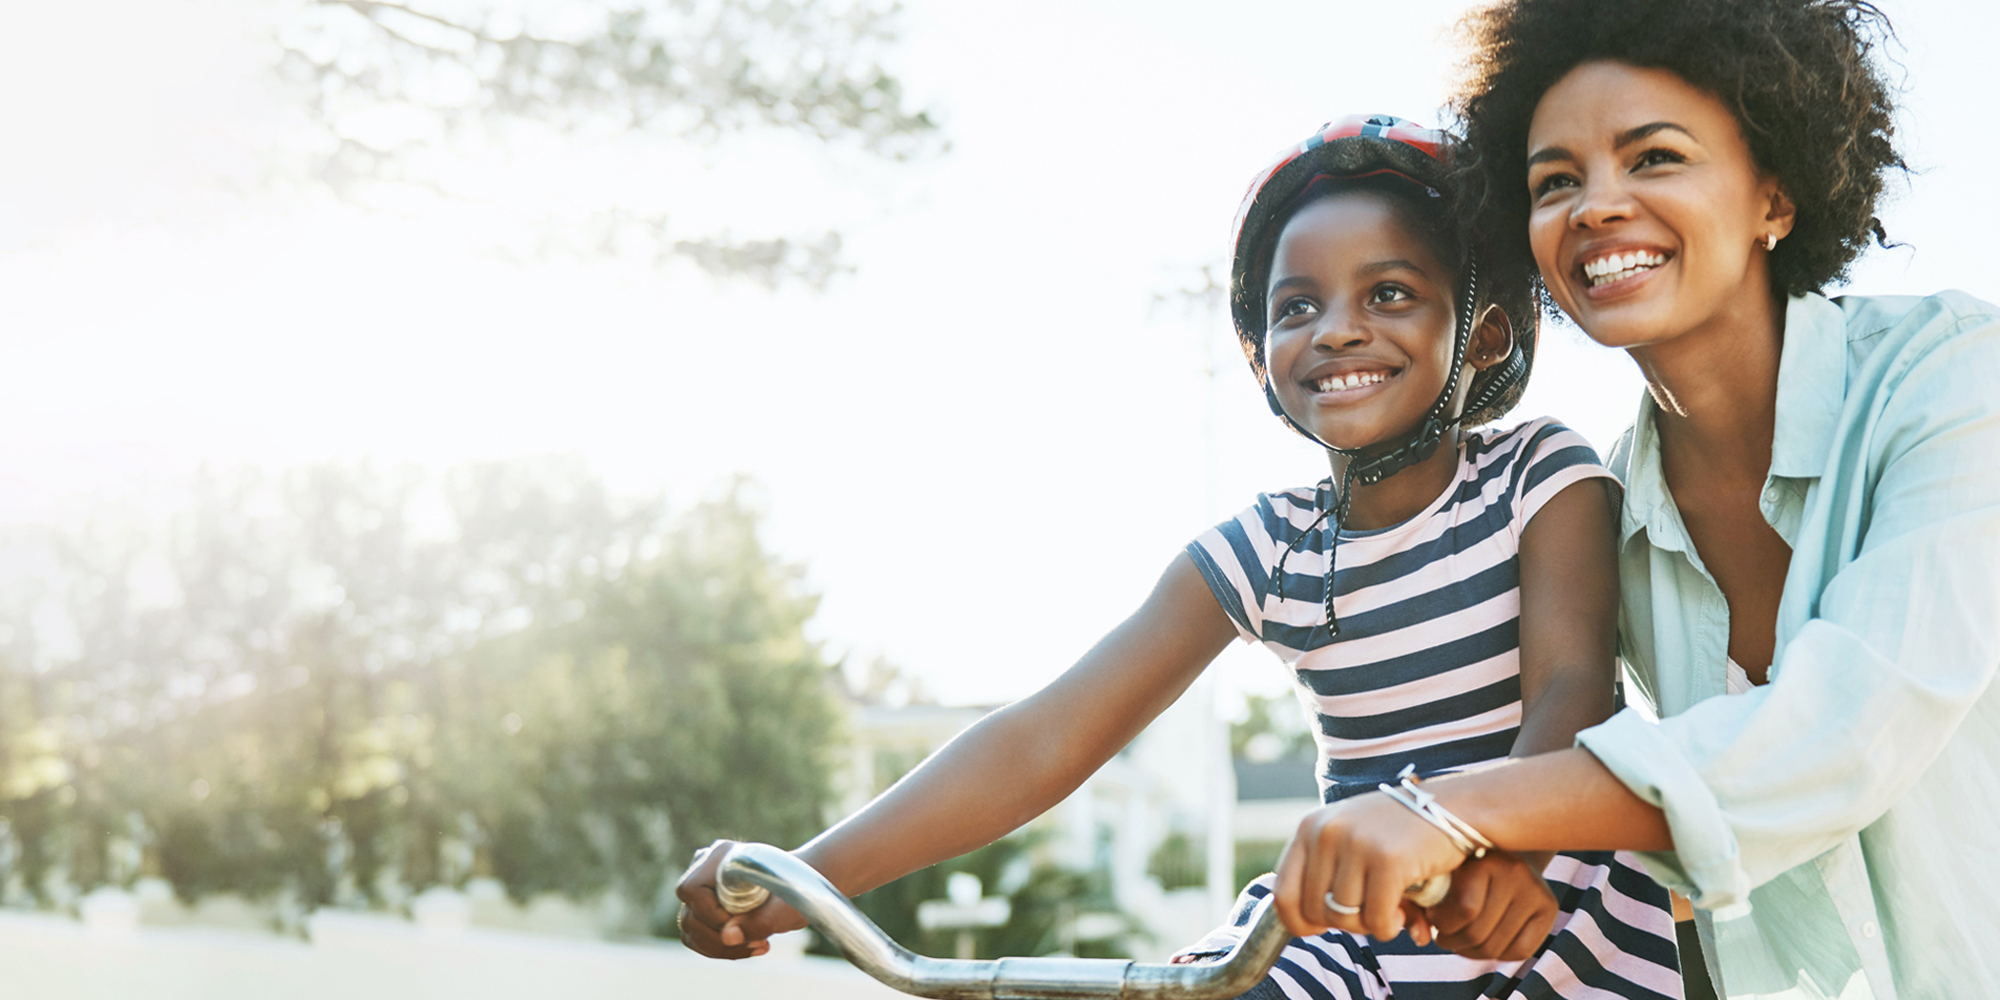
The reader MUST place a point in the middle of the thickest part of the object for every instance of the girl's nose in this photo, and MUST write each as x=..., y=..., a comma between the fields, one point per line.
x=1341, y=328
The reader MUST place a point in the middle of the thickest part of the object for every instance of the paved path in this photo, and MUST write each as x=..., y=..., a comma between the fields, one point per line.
x=359, y=956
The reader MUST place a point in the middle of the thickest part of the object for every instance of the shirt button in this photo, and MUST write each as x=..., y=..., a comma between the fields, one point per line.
x=1868, y=929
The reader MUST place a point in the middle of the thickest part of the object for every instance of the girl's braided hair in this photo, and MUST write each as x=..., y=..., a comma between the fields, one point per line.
x=1797, y=75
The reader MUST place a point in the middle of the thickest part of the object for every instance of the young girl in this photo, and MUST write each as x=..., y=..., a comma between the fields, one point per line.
x=1811, y=524
x=1444, y=599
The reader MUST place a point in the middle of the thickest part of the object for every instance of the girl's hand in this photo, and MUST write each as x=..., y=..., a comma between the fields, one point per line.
x=709, y=929
x=1499, y=907
x=1364, y=852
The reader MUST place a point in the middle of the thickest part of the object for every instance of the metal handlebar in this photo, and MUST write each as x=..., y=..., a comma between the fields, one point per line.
x=751, y=872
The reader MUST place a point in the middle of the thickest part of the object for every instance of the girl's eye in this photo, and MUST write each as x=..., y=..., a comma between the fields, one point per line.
x=1657, y=156
x=1390, y=293
x=1291, y=308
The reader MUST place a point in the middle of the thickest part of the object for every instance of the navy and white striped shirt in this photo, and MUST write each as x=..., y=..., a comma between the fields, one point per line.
x=1426, y=668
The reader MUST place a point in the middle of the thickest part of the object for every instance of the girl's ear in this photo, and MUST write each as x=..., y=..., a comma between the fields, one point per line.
x=1492, y=339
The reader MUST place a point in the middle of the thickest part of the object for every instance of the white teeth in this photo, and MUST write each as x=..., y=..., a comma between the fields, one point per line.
x=1618, y=267
x=1334, y=383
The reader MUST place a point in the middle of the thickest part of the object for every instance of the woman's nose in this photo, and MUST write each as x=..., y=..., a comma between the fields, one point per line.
x=1601, y=201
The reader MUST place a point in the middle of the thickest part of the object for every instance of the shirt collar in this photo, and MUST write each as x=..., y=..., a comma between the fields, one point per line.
x=1812, y=382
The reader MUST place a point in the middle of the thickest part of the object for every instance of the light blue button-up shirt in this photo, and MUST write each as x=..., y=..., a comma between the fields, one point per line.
x=1839, y=827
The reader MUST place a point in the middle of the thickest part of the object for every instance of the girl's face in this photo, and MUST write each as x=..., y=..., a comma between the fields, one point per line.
x=1359, y=329
x=1648, y=213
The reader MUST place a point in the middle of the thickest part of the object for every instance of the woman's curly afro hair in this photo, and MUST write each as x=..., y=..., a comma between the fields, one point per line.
x=1797, y=74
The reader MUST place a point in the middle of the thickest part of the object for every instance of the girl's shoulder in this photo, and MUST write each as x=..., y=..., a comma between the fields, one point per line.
x=1529, y=463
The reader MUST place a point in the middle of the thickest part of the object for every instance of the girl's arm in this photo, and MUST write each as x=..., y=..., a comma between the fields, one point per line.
x=1005, y=770
x=1500, y=907
x=1569, y=618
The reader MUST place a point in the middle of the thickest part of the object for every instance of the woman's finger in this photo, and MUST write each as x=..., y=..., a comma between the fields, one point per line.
x=1382, y=912
x=1344, y=898
x=1288, y=890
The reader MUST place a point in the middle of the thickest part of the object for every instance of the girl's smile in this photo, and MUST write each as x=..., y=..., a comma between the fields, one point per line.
x=1361, y=320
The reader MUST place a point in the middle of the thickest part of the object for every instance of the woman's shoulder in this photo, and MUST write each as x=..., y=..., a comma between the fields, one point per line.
x=1905, y=326
x=1867, y=315
x=1926, y=349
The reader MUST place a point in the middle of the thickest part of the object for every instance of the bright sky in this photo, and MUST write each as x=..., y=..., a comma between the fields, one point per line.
x=986, y=443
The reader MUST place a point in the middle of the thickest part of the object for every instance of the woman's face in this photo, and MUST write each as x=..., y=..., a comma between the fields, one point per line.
x=1648, y=214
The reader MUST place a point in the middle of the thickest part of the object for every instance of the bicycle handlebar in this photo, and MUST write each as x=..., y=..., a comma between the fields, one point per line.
x=749, y=873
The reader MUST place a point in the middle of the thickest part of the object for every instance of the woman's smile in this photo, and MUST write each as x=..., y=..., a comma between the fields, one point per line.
x=1647, y=209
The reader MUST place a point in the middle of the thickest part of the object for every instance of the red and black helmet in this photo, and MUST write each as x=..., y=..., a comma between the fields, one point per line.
x=1357, y=148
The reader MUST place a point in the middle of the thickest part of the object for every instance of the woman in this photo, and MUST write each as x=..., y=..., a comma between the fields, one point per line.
x=1810, y=535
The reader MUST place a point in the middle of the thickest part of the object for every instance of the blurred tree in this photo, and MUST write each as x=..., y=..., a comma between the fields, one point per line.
x=1273, y=727
x=345, y=684
x=391, y=81
x=679, y=702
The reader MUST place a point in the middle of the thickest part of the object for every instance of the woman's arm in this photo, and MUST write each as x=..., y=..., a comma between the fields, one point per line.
x=1902, y=642
x=1002, y=772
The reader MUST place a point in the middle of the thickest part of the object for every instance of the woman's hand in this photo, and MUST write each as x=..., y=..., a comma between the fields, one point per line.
x=709, y=929
x=1364, y=852
x=1499, y=907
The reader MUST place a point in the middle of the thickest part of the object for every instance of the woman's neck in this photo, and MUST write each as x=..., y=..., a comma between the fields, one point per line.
x=1716, y=388
x=1405, y=494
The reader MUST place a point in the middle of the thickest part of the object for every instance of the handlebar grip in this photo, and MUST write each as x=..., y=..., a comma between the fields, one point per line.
x=739, y=895
x=1430, y=891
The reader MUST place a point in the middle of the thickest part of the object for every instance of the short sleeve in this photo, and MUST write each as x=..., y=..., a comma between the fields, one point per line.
x=1237, y=557
x=1552, y=458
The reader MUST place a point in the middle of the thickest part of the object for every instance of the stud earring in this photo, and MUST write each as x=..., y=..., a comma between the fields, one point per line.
x=1770, y=241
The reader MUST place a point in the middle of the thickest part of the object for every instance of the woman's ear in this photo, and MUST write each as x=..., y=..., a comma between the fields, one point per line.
x=1492, y=339
x=1780, y=214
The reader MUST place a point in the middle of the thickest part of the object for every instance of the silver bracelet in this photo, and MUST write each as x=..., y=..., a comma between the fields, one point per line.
x=1414, y=798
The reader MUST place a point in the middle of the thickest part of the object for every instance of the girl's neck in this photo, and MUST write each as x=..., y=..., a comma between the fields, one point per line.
x=1405, y=494
x=1716, y=388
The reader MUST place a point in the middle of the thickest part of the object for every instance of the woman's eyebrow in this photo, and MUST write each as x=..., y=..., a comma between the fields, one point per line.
x=1623, y=139
x=1550, y=153
x=1632, y=135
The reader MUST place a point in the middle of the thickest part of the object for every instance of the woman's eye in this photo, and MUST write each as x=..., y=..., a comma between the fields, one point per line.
x=1654, y=157
x=1553, y=182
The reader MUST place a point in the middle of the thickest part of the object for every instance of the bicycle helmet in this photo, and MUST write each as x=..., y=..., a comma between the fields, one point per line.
x=1387, y=150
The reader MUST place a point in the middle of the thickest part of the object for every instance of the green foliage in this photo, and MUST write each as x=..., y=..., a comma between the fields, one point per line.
x=1045, y=900
x=1178, y=862
x=1257, y=857
x=1276, y=724
x=682, y=70
x=344, y=685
